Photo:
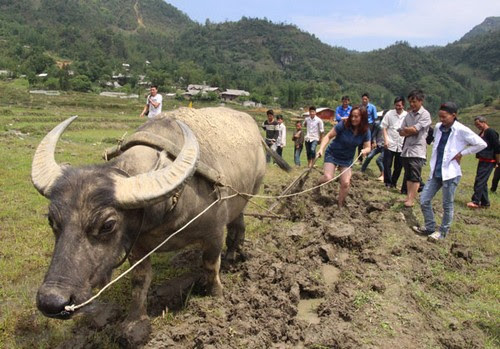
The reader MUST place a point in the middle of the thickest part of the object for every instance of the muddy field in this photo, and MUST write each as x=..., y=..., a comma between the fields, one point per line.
x=356, y=277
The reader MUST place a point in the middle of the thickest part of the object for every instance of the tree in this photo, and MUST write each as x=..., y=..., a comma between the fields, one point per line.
x=81, y=83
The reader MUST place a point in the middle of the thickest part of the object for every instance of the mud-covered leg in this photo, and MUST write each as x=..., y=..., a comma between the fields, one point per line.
x=211, y=263
x=137, y=327
x=235, y=237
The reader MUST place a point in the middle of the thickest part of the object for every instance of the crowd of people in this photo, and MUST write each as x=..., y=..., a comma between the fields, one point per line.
x=400, y=138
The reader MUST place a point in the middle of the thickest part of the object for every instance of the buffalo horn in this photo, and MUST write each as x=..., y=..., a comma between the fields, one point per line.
x=152, y=187
x=44, y=169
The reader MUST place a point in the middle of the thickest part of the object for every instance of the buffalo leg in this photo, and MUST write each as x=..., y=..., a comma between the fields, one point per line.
x=235, y=237
x=137, y=327
x=211, y=263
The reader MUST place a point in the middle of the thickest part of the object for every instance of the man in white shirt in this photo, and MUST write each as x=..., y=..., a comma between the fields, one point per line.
x=315, y=131
x=153, y=103
x=452, y=140
x=281, y=141
x=393, y=142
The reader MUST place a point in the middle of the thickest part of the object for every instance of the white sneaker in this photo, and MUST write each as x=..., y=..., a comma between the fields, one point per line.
x=435, y=236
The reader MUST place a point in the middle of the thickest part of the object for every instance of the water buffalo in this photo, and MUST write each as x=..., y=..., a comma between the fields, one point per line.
x=182, y=162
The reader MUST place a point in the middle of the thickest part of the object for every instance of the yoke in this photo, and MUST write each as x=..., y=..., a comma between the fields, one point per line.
x=160, y=143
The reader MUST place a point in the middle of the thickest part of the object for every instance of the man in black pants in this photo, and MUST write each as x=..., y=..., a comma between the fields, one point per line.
x=488, y=159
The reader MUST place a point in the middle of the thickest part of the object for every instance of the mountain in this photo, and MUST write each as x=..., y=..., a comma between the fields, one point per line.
x=81, y=43
x=490, y=25
x=477, y=52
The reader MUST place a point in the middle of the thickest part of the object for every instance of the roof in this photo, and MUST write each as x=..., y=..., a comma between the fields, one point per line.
x=236, y=92
x=318, y=110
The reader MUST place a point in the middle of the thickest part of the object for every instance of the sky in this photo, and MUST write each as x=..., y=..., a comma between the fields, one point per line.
x=361, y=25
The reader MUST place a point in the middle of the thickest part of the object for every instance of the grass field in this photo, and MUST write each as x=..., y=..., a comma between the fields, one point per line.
x=27, y=242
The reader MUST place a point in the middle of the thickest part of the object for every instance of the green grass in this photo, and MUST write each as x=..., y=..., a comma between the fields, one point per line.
x=27, y=242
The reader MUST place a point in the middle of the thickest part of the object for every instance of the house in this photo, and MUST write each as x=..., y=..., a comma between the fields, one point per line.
x=323, y=113
x=230, y=95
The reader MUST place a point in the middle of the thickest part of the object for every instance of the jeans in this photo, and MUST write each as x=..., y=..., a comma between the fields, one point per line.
x=430, y=189
x=483, y=173
x=311, y=149
x=271, y=145
x=389, y=156
x=379, y=161
x=279, y=150
x=296, y=155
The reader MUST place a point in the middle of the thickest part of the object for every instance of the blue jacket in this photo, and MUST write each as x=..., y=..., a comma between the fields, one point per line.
x=342, y=113
x=372, y=113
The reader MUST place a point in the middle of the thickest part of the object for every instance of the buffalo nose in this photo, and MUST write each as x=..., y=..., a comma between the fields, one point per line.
x=51, y=301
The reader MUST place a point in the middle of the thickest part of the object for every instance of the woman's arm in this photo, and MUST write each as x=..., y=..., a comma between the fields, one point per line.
x=325, y=141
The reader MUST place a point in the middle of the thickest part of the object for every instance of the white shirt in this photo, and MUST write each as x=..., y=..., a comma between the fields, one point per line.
x=391, y=122
x=281, y=141
x=461, y=140
x=314, y=128
x=152, y=110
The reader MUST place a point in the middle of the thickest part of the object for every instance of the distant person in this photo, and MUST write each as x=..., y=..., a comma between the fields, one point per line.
x=298, y=139
x=371, y=110
x=488, y=158
x=377, y=148
x=347, y=135
x=315, y=131
x=414, y=128
x=281, y=141
x=154, y=103
x=393, y=142
x=343, y=110
x=496, y=178
x=271, y=127
x=452, y=140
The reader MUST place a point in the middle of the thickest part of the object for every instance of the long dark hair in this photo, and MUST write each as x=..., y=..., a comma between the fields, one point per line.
x=362, y=128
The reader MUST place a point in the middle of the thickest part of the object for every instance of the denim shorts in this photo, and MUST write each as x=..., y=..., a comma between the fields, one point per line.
x=311, y=149
x=329, y=157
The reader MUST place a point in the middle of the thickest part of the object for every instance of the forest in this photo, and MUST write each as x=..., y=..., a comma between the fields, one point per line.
x=80, y=45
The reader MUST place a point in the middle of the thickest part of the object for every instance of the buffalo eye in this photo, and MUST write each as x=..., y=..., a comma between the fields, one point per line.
x=108, y=226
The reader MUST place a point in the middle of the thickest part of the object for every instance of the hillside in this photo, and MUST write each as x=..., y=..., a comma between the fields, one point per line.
x=478, y=50
x=273, y=61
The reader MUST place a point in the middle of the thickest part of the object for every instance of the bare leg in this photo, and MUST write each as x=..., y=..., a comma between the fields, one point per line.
x=211, y=262
x=345, y=184
x=412, y=188
x=235, y=237
x=328, y=172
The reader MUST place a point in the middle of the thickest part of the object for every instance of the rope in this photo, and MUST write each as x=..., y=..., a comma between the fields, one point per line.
x=298, y=193
x=73, y=307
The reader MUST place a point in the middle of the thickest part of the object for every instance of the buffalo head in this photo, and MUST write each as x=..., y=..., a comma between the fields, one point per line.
x=96, y=213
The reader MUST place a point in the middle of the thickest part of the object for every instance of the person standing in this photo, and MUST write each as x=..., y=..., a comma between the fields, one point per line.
x=414, y=128
x=452, y=140
x=314, y=135
x=393, y=142
x=281, y=141
x=271, y=127
x=496, y=178
x=347, y=134
x=154, y=103
x=488, y=158
x=343, y=111
x=377, y=148
x=298, y=139
x=371, y=110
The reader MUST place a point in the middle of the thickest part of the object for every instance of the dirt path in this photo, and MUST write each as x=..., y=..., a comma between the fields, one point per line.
x=356, y=277
x=140, y=23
